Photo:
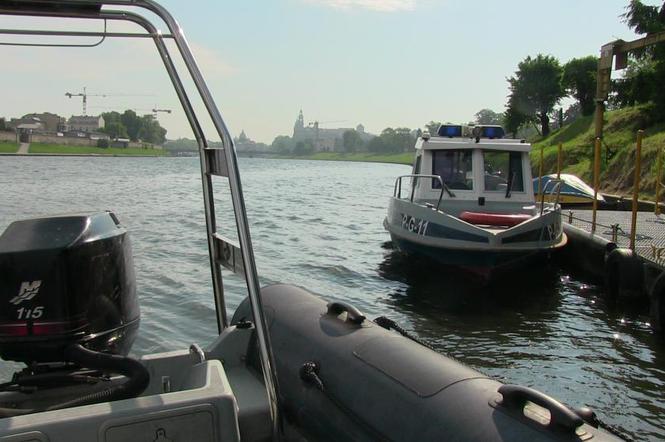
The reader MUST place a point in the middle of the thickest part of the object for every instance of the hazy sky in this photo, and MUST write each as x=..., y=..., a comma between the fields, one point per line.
x=376, y=62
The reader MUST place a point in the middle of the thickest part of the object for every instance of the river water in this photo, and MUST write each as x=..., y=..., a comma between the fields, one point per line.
x=318, y=224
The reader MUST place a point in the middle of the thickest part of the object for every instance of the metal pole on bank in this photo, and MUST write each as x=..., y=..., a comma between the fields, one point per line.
x=540, y=172
x=659, y=174
x=636, y=188
x=596, y=181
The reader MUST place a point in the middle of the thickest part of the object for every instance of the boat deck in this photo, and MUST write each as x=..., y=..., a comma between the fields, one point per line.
x=650, y=238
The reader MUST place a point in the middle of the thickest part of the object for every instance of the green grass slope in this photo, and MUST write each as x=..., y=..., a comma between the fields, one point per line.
x=85, y=150
x=617, y=153
x=8, y=147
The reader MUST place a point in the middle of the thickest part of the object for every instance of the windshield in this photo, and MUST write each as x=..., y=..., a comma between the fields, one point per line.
x=502, y=170
x=454, y=168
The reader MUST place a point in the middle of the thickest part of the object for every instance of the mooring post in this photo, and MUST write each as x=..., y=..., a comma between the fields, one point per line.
x=596, y=182
x=558, y=162
x=615, y=232
x=636, y=188
x=540, y=172
x=659, y=171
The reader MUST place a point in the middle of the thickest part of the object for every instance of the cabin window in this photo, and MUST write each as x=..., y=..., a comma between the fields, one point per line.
x=503, y=170
x=454, y=168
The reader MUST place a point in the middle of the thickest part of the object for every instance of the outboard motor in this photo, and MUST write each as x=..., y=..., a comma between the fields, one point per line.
x=68, y=309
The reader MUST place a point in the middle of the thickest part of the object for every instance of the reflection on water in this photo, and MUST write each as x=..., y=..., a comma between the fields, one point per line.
x=318, y=225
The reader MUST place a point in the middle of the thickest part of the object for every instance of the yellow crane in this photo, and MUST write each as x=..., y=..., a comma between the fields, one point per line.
x=621, y=49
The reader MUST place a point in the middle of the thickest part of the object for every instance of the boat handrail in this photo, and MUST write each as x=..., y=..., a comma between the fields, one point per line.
x=397, y=192
x=556, y=187
x=221, y=162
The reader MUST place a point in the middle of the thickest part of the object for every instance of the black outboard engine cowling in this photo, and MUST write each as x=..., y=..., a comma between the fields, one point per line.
x=66, y=280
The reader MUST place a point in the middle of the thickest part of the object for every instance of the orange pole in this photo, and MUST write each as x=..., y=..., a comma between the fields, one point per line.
x=659, y=173
x=596, y=182
x=636, y=188
x=540, y=172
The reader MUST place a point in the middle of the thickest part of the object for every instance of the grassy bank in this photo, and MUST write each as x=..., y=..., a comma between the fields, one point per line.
x=87, y=150
x=618, y=150
x=8, y=147
x=398, y=158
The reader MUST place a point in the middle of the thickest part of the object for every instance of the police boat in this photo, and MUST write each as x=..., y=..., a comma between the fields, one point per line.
x=469, y=202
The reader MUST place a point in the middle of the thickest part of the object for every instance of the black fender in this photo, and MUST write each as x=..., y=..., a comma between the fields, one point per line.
x=657, y=303
x=624, y=273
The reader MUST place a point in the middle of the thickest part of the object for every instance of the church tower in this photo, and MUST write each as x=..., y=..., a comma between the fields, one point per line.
x=298, y=128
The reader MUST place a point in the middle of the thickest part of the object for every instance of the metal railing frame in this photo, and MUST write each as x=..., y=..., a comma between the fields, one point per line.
x=397, y=192
x=33, y=9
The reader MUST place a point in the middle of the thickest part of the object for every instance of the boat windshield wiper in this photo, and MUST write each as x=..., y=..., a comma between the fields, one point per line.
x=511, y=180
x=447, y=189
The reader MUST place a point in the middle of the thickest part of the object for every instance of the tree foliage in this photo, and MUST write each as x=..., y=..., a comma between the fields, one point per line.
x=579, y=80
x=351, y=141
x=282, y=144
x=488, y=116
x=129, y=125
x=536, y=89
x=433, y=127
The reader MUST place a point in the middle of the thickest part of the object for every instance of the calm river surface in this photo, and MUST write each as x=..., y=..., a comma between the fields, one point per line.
x=319, y=225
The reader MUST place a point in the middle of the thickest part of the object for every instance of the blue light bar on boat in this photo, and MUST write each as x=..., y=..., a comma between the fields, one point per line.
x=450, y=130
x=493, y=132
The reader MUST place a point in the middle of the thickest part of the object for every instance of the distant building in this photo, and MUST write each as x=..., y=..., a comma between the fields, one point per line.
x=244, y=144
x=85, y=123
x=51, y=122
x=324, y=139
x=34, y=124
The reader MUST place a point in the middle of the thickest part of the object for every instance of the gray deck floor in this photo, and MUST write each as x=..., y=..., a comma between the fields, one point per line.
x=650, y=239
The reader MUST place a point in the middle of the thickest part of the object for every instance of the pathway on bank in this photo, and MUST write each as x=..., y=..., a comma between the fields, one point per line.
x=23, y=148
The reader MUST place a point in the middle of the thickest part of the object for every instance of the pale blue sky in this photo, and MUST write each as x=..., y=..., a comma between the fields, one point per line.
x=376, y=62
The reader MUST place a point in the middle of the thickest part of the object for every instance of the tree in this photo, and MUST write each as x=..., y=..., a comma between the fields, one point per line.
x=282, y=144
x=487, y=116
x=579, y=80
x=3, y=124
x=433, y=127
x=536, y=89
x=352, y=141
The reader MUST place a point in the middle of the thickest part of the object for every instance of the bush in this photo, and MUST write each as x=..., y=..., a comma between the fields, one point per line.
x=103, y=143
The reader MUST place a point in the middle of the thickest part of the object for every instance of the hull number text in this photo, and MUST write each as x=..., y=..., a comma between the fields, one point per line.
x=414, y=225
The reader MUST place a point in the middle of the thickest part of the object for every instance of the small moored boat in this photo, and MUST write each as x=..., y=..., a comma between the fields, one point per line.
x=573, y=192
x=470, y=202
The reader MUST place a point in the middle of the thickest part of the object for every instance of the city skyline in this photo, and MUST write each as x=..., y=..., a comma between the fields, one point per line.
x=379, y=63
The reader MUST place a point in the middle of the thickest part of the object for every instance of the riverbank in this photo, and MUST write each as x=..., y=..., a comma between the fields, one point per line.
x=8, y=148
x=66, y=150
x=617, y=151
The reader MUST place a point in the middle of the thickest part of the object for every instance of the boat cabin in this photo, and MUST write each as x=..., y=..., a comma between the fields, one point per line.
x=476, y=165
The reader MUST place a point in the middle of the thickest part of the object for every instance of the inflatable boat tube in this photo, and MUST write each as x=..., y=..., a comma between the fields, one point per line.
x=343, y=377
x=494, y=219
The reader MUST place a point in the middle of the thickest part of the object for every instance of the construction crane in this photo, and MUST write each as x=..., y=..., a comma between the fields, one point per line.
x=318, y=123
x=154, y=110
x=621, y=49
x=85, y=96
